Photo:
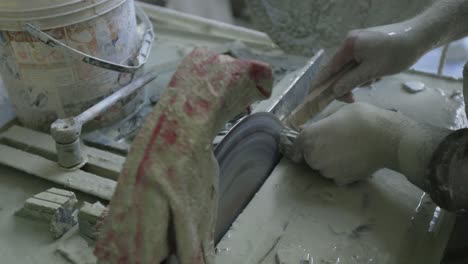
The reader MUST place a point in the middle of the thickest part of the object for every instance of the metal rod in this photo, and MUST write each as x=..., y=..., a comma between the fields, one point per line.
x=298, y=89
x=99, y=108
x=465, y=84
x=443, y=58
x=66, y=132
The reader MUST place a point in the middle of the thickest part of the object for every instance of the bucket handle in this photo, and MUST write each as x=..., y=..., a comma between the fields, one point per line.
x=141, y=58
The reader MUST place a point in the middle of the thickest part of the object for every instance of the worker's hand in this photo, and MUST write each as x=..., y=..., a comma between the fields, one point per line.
x=377, y=52
x=358, y=139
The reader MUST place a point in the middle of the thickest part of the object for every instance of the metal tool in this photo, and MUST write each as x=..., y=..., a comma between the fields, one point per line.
x=321, y=96
x=246, y=157
x=66, y=132
x=287, y=138
x=298, y=89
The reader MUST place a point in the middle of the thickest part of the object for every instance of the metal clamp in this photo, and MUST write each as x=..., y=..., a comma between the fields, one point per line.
x=66, y=132
x=288, y=137
x=140, y=59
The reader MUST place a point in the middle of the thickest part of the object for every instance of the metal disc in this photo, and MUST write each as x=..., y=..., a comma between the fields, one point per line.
x=246, y=157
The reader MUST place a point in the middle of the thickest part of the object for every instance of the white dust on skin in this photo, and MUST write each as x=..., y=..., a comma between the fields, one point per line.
x=303, y=27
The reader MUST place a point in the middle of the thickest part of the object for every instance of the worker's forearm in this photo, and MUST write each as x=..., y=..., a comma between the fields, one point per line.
x=435, y=160
x=417, y=144
x=443, y=22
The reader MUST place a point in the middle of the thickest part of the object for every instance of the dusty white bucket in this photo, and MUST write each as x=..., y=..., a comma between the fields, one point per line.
x=45, y=82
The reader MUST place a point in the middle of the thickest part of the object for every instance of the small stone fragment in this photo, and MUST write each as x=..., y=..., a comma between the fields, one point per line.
x=154, y=99
x=414, y=86
x=88, y=219
x=38, y=209
x=51, y=206
x=65, y=193
x=76, y=250
x=66, y=217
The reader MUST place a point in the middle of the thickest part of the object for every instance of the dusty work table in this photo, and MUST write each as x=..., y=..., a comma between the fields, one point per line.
x=381, y=220
x=295, y=212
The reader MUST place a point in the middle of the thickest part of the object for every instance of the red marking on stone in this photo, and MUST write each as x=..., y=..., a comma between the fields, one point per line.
x=124, y=260
x=197, y=259
x=170, y=172
x=201, y=106
x=200, y=72
x=259, y=71
x=188, y=108
x=235, y=77
x=120, y=217
x=204, y=105
x=108, y=238
x=140, y=177
x=173, y=99
x=264, y=92
x=102, y=247
x=171, y=175
x=197, y=52
x=170, y=137
x=122, y=246
x=146, y=157
x=202, y=68
x=173, y=82
x=98, y=252
x=218, y=78
x=210, y=60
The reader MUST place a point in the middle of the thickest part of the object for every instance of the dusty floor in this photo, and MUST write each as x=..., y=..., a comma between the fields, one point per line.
x=22, y=240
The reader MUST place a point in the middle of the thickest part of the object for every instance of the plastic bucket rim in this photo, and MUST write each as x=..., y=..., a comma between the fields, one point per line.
x=22, y=21
x=46, y=8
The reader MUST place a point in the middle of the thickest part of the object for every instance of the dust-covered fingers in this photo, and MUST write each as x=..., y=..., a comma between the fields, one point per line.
x=352, y=79
x=342, y=57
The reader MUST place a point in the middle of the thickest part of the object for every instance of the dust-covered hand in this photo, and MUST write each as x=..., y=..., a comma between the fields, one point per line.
x=358, y=139
x=376, y=52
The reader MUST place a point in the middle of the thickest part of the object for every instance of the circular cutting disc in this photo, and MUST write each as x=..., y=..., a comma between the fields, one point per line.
x=246, y=157
x=304, y=26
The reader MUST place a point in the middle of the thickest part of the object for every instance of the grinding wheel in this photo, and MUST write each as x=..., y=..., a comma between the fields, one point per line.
x=246, y=157
x=304, y=26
